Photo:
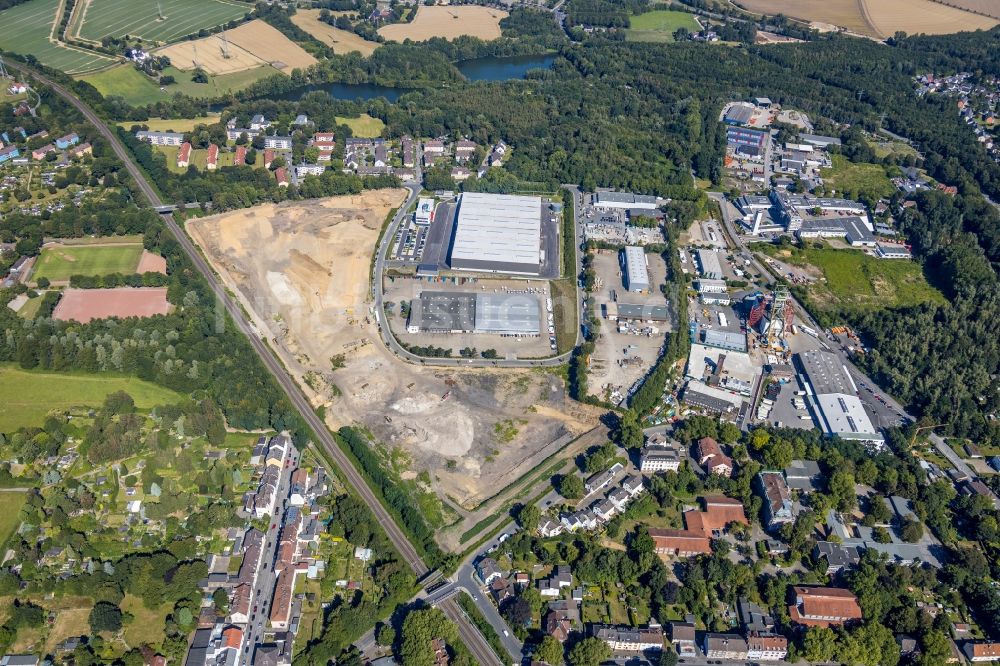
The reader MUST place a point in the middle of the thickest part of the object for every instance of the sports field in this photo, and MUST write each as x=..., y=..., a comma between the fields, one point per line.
x=137, y=89
x=10, y=513
x=341, y=41
x=659, y=26
x=86, y=305
x=448, y=21
x=59, y=262
x=115, y=18
x=26, y=28
x=27, y=397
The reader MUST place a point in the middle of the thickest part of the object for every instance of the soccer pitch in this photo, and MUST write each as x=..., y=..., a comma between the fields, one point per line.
x=59, y=262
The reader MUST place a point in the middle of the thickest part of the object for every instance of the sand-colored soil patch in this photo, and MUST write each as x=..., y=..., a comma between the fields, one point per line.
x=209, y=54
x=922, y=16
x=341, y=41
x=449, y=22
x=85, y=305
x=151, y=263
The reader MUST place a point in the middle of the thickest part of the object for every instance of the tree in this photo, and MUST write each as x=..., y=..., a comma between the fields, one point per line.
x=842, y=490
x=518, y=612
x=934, y=648
x=420, y=628
x=550, y=651
x=819, y=644
x=589, y=652
x=105, y=616
x=528, y=517
x=386, y=635
x=629, y=434
x=912, y=530
x=668, y=657
x=221, y=601
x=571, y=486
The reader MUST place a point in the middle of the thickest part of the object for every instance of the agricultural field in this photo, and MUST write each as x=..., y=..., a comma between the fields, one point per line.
x=11, y=502
x=857, y=180
x=659, y=26
x=363, y=126
x=987, y=7
x=97, y=19
x=852, y=280
x=447, y=21
x=172, y=124
x=26, y=30
x=138, y=89
x=341, y=41
x=249, y=46
x=878, y=18
x=59, y=262
x=27, y=397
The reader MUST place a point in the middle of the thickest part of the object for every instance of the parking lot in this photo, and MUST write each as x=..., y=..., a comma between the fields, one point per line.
x=622, y=358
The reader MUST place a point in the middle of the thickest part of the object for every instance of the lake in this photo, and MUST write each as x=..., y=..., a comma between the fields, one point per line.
x=478, y=69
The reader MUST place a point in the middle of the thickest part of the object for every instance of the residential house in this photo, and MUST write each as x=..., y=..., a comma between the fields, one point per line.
x=709, y=455
x=408, y=148
x=17, y=88
x=64, y=142
x=659, y=459
x=908, y=645
x=268, y=158
x=633, y=486
x=682, y=636
x=212, y=161
x=460, y=173
x=725, y=646
x=718, y=513
x=299, y=486
x=602, y=480
x=259, y=123
x=765, y=646
x=824, y=606
x=778, y=508
x=501, y=590
x=629, y=639
x=980, y=651
x=239, y=606
x=488, y=570
x=301, y=120
x=240, y=159
x=9, y=153
x=604, y=509
x=184, y=155
x=81, y=150
x=838, y=556
x=552, y=586
x=550, y=528
x=278, y=142
x=561, y=618
x=465, y=150
x=19, y=660
x=753, y=617
x=160, y=138
x=40, y=153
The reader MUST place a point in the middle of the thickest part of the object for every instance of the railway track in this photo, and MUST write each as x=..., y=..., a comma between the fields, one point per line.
x=469, y=634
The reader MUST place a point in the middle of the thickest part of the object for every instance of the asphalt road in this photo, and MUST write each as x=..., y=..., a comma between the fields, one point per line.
x=470, y=635
x=888, y=412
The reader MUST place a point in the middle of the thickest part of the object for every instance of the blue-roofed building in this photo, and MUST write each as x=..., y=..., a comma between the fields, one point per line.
x=9, y=153
x=65, y=142
x=743, y=136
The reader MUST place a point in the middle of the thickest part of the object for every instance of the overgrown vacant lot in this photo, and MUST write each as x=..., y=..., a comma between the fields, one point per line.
x=855, y=281
x=10, y=512
x=27, y=397
x=59, y=262
x=855, y=180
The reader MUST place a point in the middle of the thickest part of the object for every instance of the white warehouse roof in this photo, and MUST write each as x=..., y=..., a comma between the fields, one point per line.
x=499, y=233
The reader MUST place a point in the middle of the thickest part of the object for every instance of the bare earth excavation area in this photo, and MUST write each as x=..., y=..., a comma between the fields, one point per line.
x=302, y=270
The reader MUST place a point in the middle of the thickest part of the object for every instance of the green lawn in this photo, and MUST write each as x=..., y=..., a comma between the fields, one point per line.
x=659, y=26
x=854, y=280
x=10, y=513
x=25, y=29
x=138, y=89
x=172, y=124
x=27, y=397
x=60, y=262
x=363, y=126
x=30, y=309
x=115, y=18
x=857, y=180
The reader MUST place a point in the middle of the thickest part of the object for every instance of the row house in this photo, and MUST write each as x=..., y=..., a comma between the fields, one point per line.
x=629, y=639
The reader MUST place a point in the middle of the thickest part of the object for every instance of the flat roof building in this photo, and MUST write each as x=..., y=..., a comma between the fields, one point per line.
x=708, y=260
x=604, y=199
x=724, y=339
x=833, y=397
x=498, y=233
x=635, y=312
x=507, y=314
x=635, y=270
x=711, y=398
x=462, y=312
